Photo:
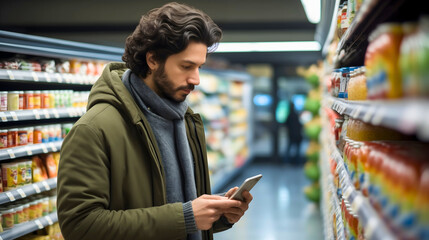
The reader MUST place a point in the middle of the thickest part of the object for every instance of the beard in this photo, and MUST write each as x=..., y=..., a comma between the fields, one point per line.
x=164, y=86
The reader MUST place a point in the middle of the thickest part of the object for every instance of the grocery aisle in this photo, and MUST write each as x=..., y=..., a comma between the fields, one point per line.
x=279, y=209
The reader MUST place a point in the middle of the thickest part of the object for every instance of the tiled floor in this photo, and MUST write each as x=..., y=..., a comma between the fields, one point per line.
x=279, y=209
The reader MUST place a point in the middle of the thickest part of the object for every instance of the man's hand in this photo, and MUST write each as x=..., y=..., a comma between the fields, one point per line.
x=233, y=215
x=209, y=208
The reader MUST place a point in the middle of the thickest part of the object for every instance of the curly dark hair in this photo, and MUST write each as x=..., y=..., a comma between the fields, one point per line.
x=166, y=31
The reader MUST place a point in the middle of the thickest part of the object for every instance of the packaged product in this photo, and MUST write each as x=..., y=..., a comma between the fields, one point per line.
x=7, y=217
x=39, y=170
x=382, y=62
x=50, y=164
x=9, y=175
x=22, y=173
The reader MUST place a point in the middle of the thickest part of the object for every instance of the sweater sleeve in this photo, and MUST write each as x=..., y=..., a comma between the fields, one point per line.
x=191, y=226
x=84, y=197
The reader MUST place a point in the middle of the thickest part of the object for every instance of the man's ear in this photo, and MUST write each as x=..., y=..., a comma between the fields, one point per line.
x=151, y=62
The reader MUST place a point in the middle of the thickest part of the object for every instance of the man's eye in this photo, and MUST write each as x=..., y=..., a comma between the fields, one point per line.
x=186, y=67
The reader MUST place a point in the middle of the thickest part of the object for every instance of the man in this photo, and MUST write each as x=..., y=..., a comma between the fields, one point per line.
x=135, y=165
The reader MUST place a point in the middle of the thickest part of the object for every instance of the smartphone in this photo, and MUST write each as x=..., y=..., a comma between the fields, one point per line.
x=246, y=186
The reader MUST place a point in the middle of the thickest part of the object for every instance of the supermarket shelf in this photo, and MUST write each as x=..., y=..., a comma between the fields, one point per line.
x=28, y=190
x=407, y=116
x=50, y=47
x=39, y=114
x=353, y=43
x=373, y=224
x=336, y=209
x=29, y=150
x=34, y=77
x=29, y=227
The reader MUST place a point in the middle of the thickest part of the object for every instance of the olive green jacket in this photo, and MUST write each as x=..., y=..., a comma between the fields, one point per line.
x=111, y=182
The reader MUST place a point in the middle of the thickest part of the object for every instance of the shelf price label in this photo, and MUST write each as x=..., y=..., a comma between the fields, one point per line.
x=46, y=185
x=28, y=150
x=21, y=193
x=11, y=76
x=35, y=77
x=36, y=188
x=10, y=196
x=369, y=114
x=36, y=114
x=58, y=77
x=55, y=112
x=44, y=148
x=49, y=220
x=14, y=116
x=39, y=224
x=47, y=76
x=52, y=145
x=11, y=153
x=3, y=117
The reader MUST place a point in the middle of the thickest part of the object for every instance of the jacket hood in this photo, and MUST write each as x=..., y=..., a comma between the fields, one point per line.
x=110, y=89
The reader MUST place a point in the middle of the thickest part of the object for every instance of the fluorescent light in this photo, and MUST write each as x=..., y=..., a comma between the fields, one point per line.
x=312, y=10
x=268, y=46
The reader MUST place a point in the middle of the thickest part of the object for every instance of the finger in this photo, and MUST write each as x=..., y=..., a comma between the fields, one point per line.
x=235, y=211
x=232, y=218
x=213, y=197
x=230, y=192
x=247, y=197
x=225, y=204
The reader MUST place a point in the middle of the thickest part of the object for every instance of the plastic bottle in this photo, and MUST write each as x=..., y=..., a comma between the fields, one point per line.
x=13, y=101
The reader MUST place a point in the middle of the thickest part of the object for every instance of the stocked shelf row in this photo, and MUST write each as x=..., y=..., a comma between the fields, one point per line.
x=40, y=114
x=29, y=150
x=28, y=190
x=29, y=227
x=407, y=116
x=30, y=76
x=373, y=225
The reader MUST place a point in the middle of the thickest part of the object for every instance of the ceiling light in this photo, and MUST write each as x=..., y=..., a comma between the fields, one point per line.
x=312, y=10
x=268, y=46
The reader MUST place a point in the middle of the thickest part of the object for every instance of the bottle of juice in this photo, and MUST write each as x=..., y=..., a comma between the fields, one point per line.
x=363, y=169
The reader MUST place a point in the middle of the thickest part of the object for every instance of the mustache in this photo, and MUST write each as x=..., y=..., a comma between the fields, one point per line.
x=189, y=87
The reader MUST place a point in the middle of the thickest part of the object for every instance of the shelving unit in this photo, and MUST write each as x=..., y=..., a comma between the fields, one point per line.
x=29, y=150
x=41, y=114
x=29, y=227
x=11, y=79
x=407, y=116
x=226, y=115
x=28, y=190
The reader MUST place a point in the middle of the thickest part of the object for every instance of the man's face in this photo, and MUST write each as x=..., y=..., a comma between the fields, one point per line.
x=177, y=77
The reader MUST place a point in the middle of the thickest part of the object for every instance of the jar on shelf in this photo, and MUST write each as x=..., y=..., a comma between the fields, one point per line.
x=30, y=135
x=3, y=138
x=12, y=137
x=28, y=99
x=22, y=136
x=21, y=100
x=8, y=216
x=37, y=135
x=13, y=101
x=3, y=101
x=37, y=99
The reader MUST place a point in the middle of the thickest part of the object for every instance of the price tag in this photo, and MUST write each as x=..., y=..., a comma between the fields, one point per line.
x=36, y=114
x=46, y=185
x=378, y=116
x=58, y=77
x=370, y=227
x=35, y=77
x=10, y=73
x=10, y=196
x=55, y=112
x=47, y=76
x=347, y=192
x=36, y=188
x=11, y=153
x=38, y=223
x=44, y=148
x=369, y=114
x=357, y=203
x=357, y=112
x=28, y=150
x=52, y=145
x=14, y=116
x=46, y=112
x=21, y=193
x=3, y=117
x=48, y=218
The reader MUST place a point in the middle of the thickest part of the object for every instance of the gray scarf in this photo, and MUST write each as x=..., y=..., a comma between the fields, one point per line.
x=166, y=118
